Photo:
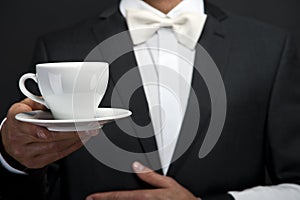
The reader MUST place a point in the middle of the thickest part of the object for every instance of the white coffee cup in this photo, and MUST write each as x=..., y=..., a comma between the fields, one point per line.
x=71, y=90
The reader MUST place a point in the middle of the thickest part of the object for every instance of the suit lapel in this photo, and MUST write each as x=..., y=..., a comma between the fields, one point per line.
x=215, y=42
x=125, y=67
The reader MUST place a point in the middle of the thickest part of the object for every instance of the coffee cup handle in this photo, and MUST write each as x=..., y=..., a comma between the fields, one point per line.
x=26, y=92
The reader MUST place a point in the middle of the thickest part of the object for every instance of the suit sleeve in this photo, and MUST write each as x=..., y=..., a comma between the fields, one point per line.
x=283, y=122
x=32, y=185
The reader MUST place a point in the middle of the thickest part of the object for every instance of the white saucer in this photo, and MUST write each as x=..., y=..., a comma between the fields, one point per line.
x=45, y=119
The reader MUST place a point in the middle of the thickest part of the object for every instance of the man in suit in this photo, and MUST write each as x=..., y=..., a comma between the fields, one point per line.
x=258, y=65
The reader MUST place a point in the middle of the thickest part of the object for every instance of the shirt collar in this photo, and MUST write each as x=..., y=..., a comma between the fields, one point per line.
x=195, y=6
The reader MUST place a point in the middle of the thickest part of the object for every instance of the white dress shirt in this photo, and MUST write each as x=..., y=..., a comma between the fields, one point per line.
x=166, y=69
x=159, y=56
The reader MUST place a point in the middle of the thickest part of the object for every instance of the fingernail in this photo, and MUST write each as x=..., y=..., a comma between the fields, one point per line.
x=94, y=132
x=138, y=167
x=41, y=134
x=88, y=133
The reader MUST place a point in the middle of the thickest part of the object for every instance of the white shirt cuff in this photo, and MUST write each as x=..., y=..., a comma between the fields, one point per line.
x=277, y=192
x=5, y=164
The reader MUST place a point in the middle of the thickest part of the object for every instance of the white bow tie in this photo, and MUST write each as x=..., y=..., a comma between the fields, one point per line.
x=143, y=24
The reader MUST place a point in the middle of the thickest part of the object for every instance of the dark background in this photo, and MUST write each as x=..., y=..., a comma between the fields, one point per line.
x=21, y=22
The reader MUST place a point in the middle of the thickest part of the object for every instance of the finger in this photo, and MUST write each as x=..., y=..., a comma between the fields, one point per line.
x=33, y=105
x=52, y=136
x=88, y=133
x=38, y=132
x=16, y=126
x=40, y=148
x=152, y=177
x=125, y=195
x=105, y=122
x=46, y=159
x=41, y=134
x=18, y=108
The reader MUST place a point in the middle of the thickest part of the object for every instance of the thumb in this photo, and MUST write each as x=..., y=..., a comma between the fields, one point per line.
x=33, y=105
x=152, y=177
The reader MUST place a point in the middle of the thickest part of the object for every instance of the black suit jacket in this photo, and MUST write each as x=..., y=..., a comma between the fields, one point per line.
x=259, y=67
